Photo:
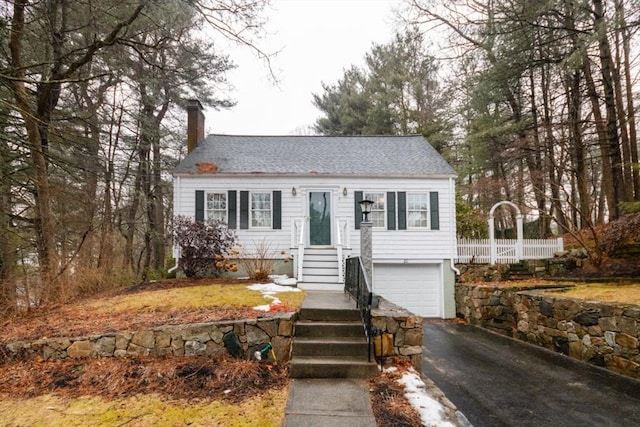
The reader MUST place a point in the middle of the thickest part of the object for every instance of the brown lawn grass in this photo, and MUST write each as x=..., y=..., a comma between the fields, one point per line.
x=145, y=392
x=605, y=292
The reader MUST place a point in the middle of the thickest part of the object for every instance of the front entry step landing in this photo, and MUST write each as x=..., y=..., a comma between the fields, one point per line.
x=330, y=340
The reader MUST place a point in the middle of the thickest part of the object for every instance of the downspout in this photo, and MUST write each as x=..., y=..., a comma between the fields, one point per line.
x=452, y=215
x=176, y=208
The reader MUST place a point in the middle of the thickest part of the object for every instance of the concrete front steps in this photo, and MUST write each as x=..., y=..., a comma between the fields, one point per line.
x=320, y=270
x=329, y=339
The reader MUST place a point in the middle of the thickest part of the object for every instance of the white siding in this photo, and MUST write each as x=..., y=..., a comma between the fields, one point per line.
x=389, y=245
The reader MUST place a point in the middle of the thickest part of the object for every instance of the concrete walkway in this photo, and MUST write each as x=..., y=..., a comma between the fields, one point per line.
x=331, y=402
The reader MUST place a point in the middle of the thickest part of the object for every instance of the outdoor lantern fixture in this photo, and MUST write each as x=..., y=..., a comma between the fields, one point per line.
x=365, y=207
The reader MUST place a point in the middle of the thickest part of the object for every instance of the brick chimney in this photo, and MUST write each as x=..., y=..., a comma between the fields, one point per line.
x=195, y=124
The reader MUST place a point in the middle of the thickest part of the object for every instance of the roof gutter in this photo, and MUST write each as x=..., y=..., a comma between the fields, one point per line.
x=309, y=174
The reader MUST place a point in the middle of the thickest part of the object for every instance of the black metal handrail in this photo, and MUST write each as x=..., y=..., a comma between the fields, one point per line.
x=357, y=285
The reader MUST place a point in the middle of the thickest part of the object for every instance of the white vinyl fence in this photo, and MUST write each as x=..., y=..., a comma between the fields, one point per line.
x=506, y=250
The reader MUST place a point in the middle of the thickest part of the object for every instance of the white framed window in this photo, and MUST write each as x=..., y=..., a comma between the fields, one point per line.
x=216, y=207
x=378, y=213
x=261, y=210
x=417, y=210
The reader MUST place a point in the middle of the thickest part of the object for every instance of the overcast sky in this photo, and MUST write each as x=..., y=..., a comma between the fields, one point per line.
x=317, y=40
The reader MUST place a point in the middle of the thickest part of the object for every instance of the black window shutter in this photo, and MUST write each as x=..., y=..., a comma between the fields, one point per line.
x=435, y=215
x=391, y=210
x=244, y=210
x=402, y=210
x=277, y=210
x=200, y=205
x=232, y=209
x=357, y=198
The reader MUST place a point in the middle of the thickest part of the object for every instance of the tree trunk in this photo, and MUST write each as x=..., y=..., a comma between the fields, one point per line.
x=607, y=176
x=43, y=216
x=611, y=130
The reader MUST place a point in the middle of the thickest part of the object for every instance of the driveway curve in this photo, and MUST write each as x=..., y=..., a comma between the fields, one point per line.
x=498, y=381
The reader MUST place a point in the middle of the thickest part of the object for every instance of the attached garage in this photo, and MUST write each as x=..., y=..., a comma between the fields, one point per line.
x=415, y=287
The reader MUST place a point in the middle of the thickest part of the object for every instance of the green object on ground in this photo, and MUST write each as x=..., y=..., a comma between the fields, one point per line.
x=232, y=344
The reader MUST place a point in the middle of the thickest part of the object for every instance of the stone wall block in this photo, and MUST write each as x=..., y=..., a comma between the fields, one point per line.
x=122, y=340
x=214, y=349
x=546, y=308
x=216, y=335
x=137, y=350
x=164, y=351
x=523, y=326
x=163, y=339
x=628, y=325
x=562, y=325
x=194, y=348
x=255, y=335
x=608, y=323
x=410, y=350
x=282, y=348
x=269, y=327
x=81, y=349
x=624, y=365
x=626, y=341
x=413, y=337
x=238, y=329
x=285, y=328
x=587, y=318
x=576, y=349
x=398, y=340
x=632, y=312
x=610, y=338
x=380, y=323
x=594, y=331
x=200, y=334
x=144, y=338
x=416, y=362
x=392, y=325
x=105, y=346
x=177, y=346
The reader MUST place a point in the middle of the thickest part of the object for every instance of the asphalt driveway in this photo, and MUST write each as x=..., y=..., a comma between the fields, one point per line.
x=497, y=381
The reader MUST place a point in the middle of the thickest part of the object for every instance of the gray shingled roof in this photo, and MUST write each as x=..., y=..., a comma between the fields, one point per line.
x=321, y=155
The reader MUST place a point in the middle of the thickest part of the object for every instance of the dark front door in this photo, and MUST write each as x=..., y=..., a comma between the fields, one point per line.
x=319, y=218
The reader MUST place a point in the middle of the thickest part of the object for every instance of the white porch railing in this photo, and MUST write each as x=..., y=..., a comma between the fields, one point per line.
x=506, y=250
x=342, y=240
x=297, y=240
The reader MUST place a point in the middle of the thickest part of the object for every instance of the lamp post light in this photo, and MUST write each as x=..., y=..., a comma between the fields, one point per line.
x=366, y=237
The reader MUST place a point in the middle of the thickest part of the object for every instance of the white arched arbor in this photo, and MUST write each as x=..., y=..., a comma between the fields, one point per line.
x=492, y=239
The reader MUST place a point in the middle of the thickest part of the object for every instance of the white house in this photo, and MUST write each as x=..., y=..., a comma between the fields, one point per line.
x=301, y=194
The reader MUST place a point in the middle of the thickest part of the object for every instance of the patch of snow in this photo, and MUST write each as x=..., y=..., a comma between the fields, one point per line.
x=283, y=280
x=269, y=290
x=431, y=411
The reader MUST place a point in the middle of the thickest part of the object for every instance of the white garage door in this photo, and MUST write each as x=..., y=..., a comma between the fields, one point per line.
x=415, y=287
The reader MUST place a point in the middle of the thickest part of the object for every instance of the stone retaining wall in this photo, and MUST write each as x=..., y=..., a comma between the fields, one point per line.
x=207, y=339
x=171, y=340
x=603, y=334
x=406, y=329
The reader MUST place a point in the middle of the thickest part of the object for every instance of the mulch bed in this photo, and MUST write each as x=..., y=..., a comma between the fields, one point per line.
x=229, y=380
x=390, y=407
